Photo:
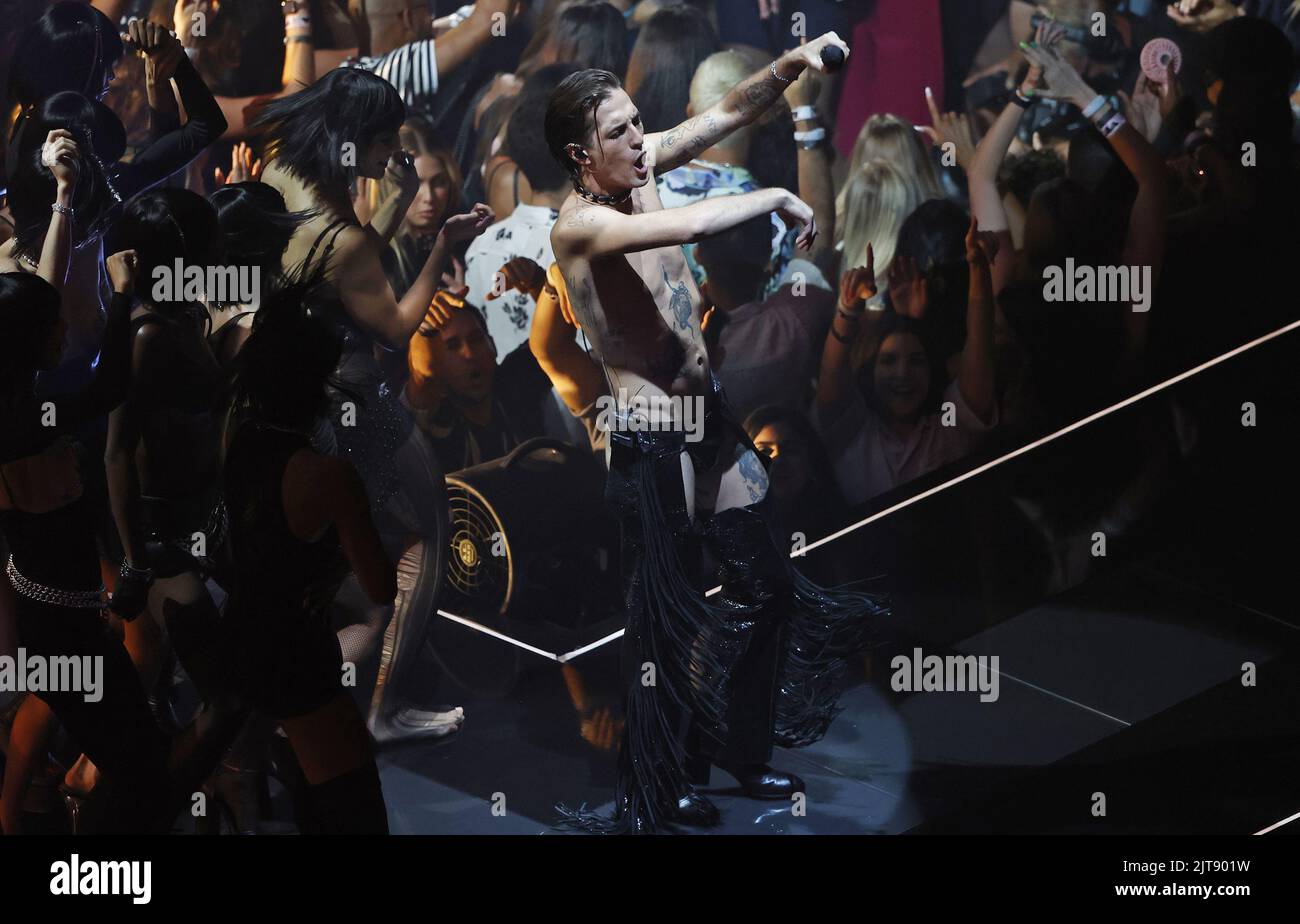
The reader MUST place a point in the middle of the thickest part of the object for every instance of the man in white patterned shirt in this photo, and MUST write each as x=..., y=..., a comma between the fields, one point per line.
x=527, y=232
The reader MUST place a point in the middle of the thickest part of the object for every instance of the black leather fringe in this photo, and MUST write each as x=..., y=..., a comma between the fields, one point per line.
x=827, y=626
x=673, y=626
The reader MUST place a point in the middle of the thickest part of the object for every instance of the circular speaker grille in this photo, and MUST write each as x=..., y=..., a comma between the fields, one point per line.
x=479, y=565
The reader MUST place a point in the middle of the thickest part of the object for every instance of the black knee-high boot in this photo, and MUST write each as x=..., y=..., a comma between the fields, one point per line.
x=349, y=804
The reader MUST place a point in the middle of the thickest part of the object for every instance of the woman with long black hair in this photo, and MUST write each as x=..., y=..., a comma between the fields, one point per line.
x=292, y=509
x=317, y=143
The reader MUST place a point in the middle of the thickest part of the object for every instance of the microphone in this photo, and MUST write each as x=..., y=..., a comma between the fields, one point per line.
x=832, y=58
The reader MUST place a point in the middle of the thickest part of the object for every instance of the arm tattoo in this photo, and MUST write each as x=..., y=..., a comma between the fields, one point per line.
x=580, y=300
x=679, y=302
x=702, y=132
x=754, y=96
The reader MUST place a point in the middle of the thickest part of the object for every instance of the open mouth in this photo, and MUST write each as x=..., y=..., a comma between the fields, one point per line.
x=639, y=163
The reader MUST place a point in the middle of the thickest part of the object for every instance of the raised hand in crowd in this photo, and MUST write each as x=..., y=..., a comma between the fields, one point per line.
x=243, y=167
x=909, y=290
x=522, y=275
x=950, y=128
x=1202, y=15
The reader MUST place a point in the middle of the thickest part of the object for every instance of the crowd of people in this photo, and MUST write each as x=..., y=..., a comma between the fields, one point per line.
x=251, y=469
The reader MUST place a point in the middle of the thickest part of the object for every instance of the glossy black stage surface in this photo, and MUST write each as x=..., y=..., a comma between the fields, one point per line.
x=1119, y=674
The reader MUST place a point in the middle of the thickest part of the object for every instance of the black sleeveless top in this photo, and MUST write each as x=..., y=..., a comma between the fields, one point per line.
x=276, y=572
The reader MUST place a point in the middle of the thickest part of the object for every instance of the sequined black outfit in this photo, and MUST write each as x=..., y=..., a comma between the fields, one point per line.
x=732, y=674
x=408, y=498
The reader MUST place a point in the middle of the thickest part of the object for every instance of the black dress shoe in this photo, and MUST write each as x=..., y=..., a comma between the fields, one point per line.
x=759, y=781
x=695, y=810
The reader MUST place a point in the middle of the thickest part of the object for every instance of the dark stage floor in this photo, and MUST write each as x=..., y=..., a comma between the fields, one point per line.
x=1128, y=683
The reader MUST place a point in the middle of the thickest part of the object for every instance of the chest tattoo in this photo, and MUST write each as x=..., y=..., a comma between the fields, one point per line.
x=679, y=303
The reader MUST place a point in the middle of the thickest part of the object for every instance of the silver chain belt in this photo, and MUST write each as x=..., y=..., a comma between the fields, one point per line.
x=77, y=599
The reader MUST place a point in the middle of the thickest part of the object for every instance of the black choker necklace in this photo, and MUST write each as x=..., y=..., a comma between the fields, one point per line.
x=600, y=198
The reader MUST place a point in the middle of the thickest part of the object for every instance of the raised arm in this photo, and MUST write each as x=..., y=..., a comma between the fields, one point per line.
x=59, y=156
x=460, y=43
x=366, y=293
x=204, y=124
x=300, y=66
x=975, y=376
x=815, y=184
x=593, y=230
x=982, y=173
x=1145, y=244
x=743, y=104
x=835, y=379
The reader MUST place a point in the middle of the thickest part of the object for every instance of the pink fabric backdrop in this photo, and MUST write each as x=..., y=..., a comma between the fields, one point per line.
x=896, y=53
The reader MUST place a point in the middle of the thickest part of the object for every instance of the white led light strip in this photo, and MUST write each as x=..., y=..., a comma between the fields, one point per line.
x=1276, y=825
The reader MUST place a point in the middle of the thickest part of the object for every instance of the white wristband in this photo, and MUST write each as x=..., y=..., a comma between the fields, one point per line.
x=814, y=134
x=804, y=113
x=1091, y=109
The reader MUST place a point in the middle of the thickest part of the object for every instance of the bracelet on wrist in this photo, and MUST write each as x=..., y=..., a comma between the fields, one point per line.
x=1022, y=100
x=1107, y=113
x=814, y=134
x=1090, y=110
x=129, y=571
x=63, y=209
x=1116, y=122
x=778, y=76
x=804, y=113
x=297, y=38
x=842, y=338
